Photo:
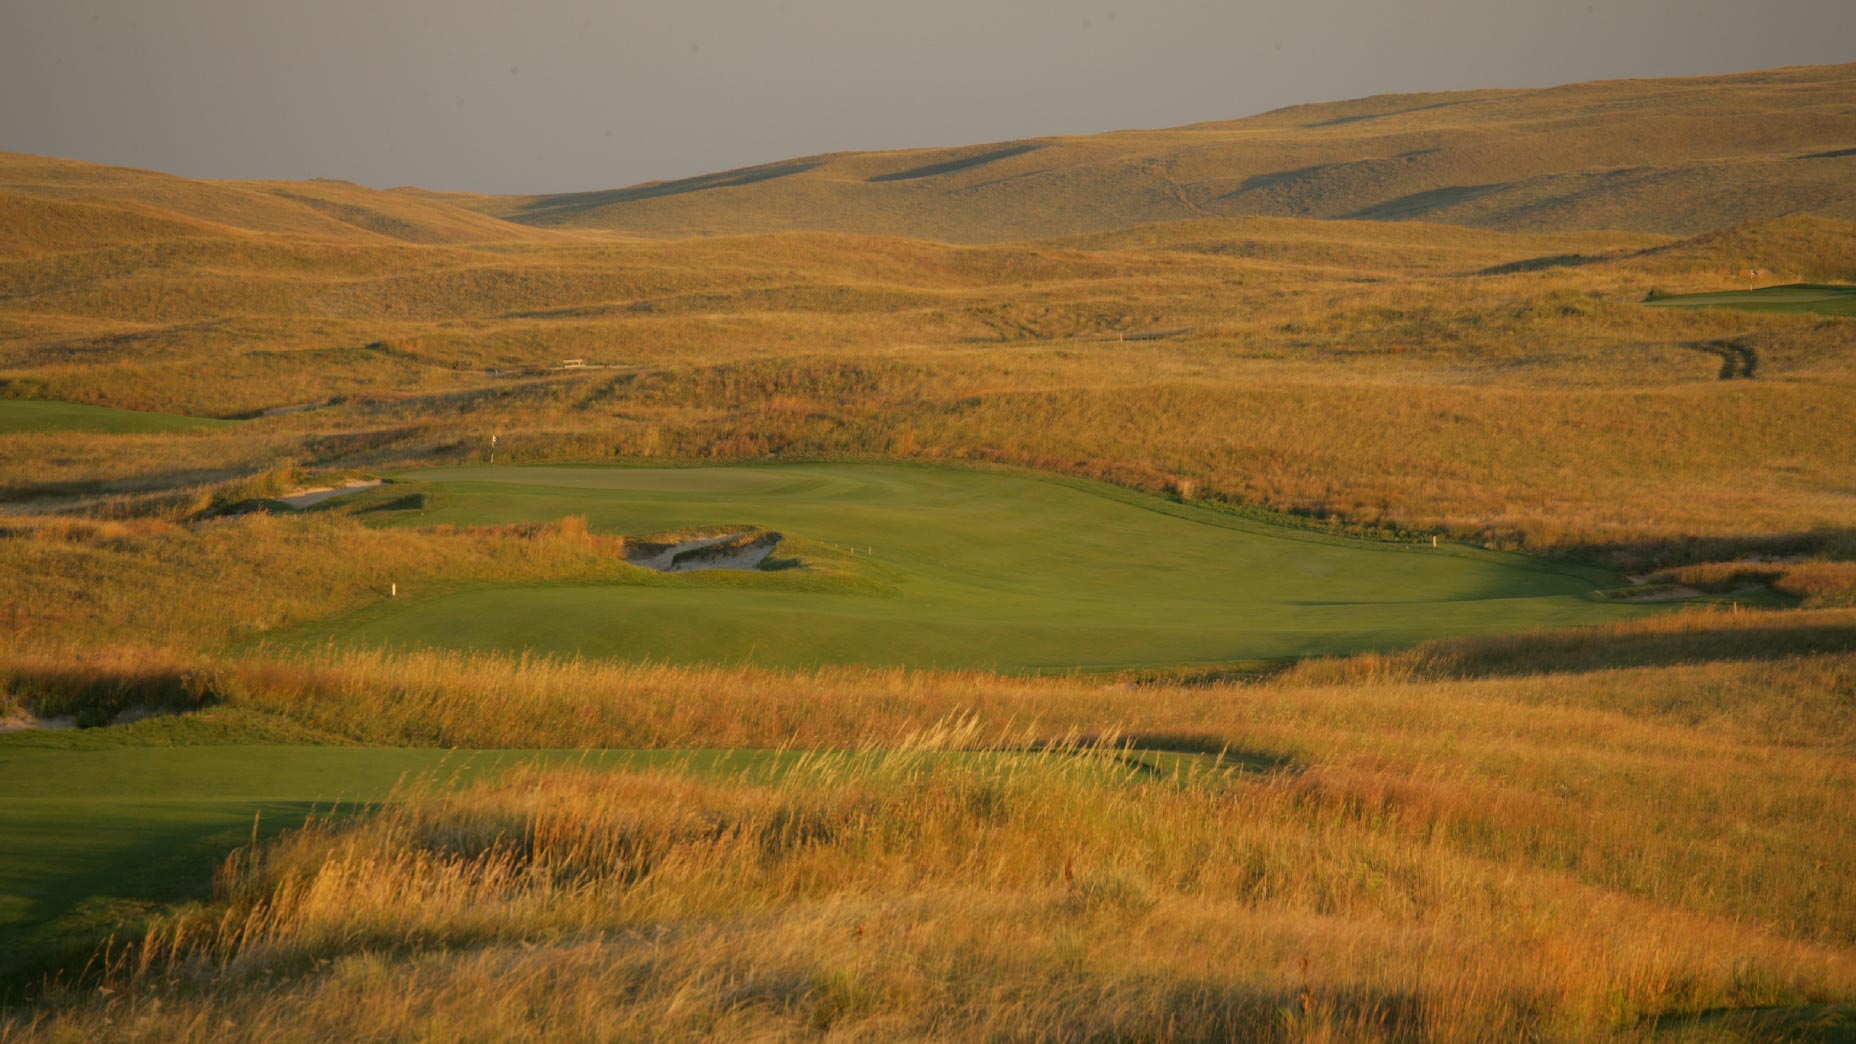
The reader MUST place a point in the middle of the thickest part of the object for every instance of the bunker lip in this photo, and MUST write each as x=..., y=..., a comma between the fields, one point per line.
x=302, y=498
x=738, y=551
x=26, y=721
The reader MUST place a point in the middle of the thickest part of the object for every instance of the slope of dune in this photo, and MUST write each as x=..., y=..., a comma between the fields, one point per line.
x=319, y=208
x=1674, y=156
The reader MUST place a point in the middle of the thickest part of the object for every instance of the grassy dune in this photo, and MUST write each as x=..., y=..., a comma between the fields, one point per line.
x=1558, y=858
x=1495, y=387
x=1233, y=351
x=1672, y=155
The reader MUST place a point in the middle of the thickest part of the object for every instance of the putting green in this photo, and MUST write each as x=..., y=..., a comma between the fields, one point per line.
x=1822, y=299
x=952, y=568
x=27, y=415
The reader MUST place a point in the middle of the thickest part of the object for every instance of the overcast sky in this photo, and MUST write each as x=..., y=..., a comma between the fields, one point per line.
x=555, y=95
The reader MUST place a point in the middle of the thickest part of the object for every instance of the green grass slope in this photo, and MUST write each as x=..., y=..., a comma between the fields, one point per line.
x=27, y=415
x=949, y=568
x=1671, y=156
x=87, y=843
x=1793, y=297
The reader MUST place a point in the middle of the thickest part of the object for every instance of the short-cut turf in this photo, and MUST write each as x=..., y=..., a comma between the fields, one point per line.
x=1818, y=298
x=31, y=415
x=956, y=569
x=86, y=843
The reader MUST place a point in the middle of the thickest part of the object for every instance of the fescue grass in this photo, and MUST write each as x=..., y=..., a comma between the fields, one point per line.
x=1673, y=155
x=1305, y=369
x=1634, y=832
x=1483, y=860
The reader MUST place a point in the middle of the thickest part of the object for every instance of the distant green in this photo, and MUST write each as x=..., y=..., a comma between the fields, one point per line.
x=29, y=415
x=953, y=568
x=1819, y=298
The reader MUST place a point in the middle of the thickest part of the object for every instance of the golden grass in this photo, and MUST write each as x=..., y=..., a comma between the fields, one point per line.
x=234, y=579
x=1568, y=836
x=1475, y=860
x=1675, y=155
x=1541, y=407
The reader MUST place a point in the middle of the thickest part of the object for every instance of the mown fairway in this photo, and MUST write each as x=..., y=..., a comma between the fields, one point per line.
x=85, y=843
x=954, y=568
x=85, y=840
x=24, y=415
x=1818, y=298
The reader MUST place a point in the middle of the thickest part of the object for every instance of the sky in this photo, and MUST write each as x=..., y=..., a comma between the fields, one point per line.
x=565, y=95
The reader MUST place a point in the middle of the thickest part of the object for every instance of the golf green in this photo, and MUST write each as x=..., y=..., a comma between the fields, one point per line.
x=1819, y=298
x=953, y=568
x=30, y=415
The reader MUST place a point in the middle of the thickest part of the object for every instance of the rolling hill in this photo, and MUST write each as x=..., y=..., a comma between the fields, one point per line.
x=1243, y=418
x=1677, y=156
x=68, y=194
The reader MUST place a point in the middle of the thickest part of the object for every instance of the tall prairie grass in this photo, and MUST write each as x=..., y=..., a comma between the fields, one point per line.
x=1572, y=875
x=1300, y=366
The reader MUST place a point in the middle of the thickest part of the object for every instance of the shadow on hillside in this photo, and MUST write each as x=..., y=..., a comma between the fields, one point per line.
x=1185, y=1008
x=1689, y=639
x=1161, y=753
x=575, y=202
x=1257, y=182
x=955, y=165
x=1343, y=120
x=1650, y=554
x=57, y=497
x=1541, y=264
x=1429, y=201
x=1768, y=636
x=409, y=502
x=1804, y=1024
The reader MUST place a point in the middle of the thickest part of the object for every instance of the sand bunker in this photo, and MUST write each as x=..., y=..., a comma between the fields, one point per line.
x=20, y=720
x=302, y=498
x=729, y=551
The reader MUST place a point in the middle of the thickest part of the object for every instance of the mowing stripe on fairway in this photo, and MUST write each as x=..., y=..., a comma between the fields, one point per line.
x=1819, y=298
x=951, y=568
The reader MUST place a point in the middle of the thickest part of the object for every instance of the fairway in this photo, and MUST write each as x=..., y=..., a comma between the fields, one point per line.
x=85, y=845
x=1817, y=298
x=30, y=415
x=85, y=842
x=940, y=567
